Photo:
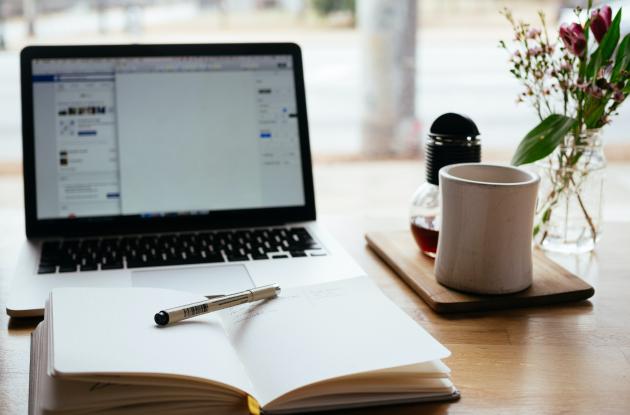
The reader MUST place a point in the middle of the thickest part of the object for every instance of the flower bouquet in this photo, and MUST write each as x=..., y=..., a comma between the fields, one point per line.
x=575, y=83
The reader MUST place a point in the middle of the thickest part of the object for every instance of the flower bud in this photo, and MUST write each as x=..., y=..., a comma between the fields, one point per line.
x=600, y=22
x=573, y=38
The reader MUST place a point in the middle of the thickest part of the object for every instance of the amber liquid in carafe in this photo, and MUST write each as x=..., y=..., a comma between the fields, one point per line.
x=427, y=239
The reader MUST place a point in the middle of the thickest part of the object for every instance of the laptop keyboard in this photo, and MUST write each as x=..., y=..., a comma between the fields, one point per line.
x=92, y=254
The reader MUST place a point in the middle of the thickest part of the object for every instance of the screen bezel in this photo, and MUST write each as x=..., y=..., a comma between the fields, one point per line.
x=126, y=224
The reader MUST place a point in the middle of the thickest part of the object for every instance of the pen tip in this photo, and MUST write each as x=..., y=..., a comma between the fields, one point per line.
x=161, y=318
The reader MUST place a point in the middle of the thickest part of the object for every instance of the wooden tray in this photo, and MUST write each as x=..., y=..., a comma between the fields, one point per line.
x=552, y=283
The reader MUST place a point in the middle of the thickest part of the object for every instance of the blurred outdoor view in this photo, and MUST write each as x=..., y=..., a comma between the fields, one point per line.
x=454, y=56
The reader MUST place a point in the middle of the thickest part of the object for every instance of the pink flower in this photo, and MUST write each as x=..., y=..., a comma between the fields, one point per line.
x=573, y=38
x=582, y=86
x=595, y=92
x=618, y=94
x=605, y=71
x=533, y=33
x=600, y=22
x=534, y=51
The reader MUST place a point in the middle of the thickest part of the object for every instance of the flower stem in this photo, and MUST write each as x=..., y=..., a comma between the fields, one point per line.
x=586, y=215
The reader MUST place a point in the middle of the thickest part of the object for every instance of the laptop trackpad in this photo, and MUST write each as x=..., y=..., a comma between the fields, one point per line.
x=213, y=280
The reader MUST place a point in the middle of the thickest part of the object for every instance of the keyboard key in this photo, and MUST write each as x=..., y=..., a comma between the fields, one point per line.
x=298, y=254
x=67, y=268
x=46, y=269
x=112, y=265
x=88, y=267
x=135, y=263
x=280, y=256
x=207, y=257
x=237, y=257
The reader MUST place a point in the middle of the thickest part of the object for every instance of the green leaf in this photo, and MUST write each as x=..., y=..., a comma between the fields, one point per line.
x=593, y=115
x=594, y=110
x=609, y=42
x=622, y=60
x=543, y=139
x=606, y=47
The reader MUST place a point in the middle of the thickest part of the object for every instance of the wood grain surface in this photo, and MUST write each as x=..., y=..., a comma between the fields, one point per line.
x=552, y=283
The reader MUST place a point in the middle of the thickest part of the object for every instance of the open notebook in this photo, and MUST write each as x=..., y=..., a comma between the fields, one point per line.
x=327, y=346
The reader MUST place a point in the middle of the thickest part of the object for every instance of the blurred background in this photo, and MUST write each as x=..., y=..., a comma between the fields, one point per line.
x=377, y=72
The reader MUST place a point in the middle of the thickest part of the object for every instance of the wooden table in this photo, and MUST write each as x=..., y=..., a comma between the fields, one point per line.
x=572, y=358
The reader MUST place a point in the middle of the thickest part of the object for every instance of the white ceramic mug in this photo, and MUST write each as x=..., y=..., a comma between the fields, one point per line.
x=485, y=240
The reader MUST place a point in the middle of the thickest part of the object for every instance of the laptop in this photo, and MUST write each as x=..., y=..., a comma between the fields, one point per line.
x=178, y=166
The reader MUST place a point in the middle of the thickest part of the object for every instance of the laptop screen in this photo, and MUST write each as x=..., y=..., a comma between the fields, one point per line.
x=165, y=136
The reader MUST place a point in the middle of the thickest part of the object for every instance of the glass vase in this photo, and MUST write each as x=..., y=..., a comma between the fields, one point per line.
x=570, y=199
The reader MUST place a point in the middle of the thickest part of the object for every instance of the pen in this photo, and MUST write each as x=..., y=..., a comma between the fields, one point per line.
x=175, y=314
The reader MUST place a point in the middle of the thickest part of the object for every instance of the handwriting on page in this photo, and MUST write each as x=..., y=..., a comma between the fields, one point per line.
x=246, y=312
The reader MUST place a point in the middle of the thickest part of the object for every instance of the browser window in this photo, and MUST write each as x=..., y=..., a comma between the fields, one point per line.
x=162, y=136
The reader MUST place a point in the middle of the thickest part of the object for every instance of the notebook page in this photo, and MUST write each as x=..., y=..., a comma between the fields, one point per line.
x=111, y=331
x=64, y=395
x=313, y=333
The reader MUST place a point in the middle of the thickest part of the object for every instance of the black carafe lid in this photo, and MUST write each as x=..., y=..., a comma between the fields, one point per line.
x=453, y=138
